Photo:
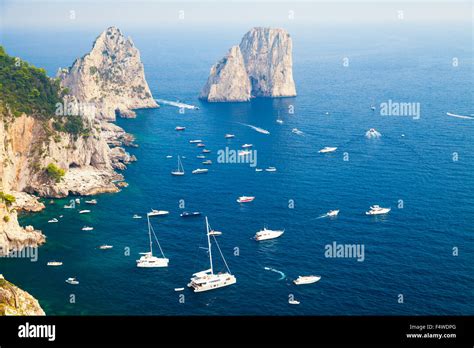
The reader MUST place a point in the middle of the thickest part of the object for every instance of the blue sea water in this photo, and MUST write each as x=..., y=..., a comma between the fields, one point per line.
x=408, y=252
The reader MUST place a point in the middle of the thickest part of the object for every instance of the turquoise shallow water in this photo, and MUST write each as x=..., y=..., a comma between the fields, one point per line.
x=407, y=252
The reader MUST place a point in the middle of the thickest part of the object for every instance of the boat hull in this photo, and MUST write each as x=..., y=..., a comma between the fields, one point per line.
x=158, y=262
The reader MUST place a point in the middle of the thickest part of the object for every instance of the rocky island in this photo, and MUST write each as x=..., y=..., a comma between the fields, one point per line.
x=261, y=66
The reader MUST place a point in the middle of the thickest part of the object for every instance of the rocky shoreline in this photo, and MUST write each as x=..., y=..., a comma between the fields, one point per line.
x=17, y=302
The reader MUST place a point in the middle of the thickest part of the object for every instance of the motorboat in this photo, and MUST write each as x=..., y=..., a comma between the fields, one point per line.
x=78, y=201
x=271, y=169
x=148, y=260
x=180, y=170
x=178, y=289
x=327, y=149
x=245, y=199
x=332, y=213
x=180, y=128
x=85, y=211
x=377, y=210
x=53, y=220
x=207, y=162
x=200, y=156
x=69, y=206
x=229, y=136
x=136, y=216
x=72, y=281
x=215, y=233
x=200, y=171
x=258, y=169
x=266, y=234
x=372, y=107
x=201, y=145
x=372, y=133
x=246, y=146
x=302, y=280
x=92, y=202
x=155, y=212
x=190, y=214
x=54, y=263
x=195, y=141
x=279, y=121
x=244, y=152
x=209, y=280
x=87, y=228
x=169, y=156
x=105, y=247
x=297, y=131
x=293, y=302
x=206, y=151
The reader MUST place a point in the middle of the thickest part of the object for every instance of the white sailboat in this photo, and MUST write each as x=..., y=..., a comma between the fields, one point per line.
x=208, y=280
x=180, y=170
x=147, y=260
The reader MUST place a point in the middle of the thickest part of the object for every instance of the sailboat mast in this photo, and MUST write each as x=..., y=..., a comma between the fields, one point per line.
x=209, y=245
x=149, y=233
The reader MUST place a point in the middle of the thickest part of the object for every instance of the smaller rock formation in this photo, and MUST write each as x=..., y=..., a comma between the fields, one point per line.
x=17, y=302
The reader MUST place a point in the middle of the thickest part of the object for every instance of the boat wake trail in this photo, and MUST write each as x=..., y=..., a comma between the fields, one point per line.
x=283, y=275
x=322, y=216
x=177, y=104
x=460, y=116
x=255, y=128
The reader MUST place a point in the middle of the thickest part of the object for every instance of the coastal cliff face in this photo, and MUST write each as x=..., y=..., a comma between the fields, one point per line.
x=17, y=302
x=111, y=77
x=261, y=66
x=228, y=80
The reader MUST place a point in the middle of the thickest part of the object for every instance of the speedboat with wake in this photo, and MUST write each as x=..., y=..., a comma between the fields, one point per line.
x=332, y=213
x=302, y=280
x=200, y=171
x=208, y=279
x=377, y=210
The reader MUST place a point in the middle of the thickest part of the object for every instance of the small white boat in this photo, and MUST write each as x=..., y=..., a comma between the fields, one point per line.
x=180, y=170
x=155, y=212
x=92, y=202
x=206, y=151
x=327, y=149
x=302, y=280
x=372, y=107
x=293, y=302
x=332, y=213
x=136, y=216
x=61, y=216
x=201, y=145
x=178, y=289
x=377, y=210
x=105, y=247
x=195, y=141
x=207, y=162
x=69, y=206
x=72, y=281
x=180, y=128
x=372, y=133
x=53, y=220
x=258, y=169
x=297, y=131
x=215, y=233
x=78, y=201
x=266, y=234
x=244, y=152
x=246, y=146
x=54, y=263
x=200, y=171
x=190, y=214
x=200, y=156
x=85, y=211
x=87, y=228
x=228, y=136
x=271, y=169
x=245, y=199
x=169, y=156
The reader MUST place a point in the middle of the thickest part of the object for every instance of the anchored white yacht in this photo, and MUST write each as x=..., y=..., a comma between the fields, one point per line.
x=266, y=234
x=301, y=280
x=200, y=171
x=180, y=170
x=377, y=210
x=53, y=220
x=208, y=280
x=87, y=228
x=245, y=199
x=54, y=263
x=72, y=281
x=229, y=136
x=155, y=212
x=147, y=260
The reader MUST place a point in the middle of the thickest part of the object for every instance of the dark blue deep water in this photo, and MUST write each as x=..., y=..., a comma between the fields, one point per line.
x=409, y=251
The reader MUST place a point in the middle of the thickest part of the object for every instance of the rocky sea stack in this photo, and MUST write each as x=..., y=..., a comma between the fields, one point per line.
x=261, y=66
x=111, y=77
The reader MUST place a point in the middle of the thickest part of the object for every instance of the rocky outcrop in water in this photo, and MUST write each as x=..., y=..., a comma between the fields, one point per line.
x=17, y=302
x=261, y=66
x=111, y=77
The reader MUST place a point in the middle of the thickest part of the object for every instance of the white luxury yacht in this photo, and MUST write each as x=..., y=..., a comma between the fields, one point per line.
x=147, y=260
x=208, y=280
x=266, y=234
x=377, y=210
x=180, y=170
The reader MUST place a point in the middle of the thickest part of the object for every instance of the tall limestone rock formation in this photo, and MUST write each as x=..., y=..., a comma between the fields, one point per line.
x=267, y=60
x=228, y=80
x=110, y=76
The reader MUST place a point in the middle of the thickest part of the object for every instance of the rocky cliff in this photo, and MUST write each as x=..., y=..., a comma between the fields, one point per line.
x=14, y=301
x=267, y=66
x=111, y=77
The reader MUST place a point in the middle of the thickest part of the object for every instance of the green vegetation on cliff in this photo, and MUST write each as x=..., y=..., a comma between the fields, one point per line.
x=27, y=89
x=54, y=172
